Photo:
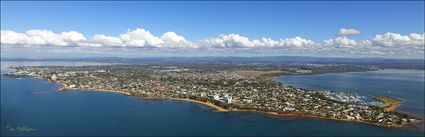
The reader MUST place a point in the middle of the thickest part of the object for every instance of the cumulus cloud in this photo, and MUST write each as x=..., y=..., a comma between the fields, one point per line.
x=72, y=36
x=173, y=37
x=238, y=41
x=387, y=43
x=107, y=40
x=41, y=38
x=340, y=42
x=133, y=38
x=140, y=38
x=390, y=39
x=297, y=41
x=229, y=41
x=347, y=31
x=172, y=40
x=12, y=38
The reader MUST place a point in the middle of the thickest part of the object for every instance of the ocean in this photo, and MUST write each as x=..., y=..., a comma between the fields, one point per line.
x=36, y=104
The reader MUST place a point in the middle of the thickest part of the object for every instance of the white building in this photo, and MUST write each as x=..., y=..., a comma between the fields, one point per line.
x=229, y=99
x=216, y=97
x=203, y=94
x=54, y=77
x=72, y=86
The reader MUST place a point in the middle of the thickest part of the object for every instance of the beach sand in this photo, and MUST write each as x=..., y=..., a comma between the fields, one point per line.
x=64, y=87
x=203, y=103
x=220, y=109
x=113, y=91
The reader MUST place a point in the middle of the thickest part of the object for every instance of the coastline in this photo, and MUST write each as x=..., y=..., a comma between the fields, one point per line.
x=217, y=108
x=220, y=109
x=410, y=126
x=66, y=87
x=106, y=90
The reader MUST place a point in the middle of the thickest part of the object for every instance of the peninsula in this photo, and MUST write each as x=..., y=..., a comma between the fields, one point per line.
x=224, y=90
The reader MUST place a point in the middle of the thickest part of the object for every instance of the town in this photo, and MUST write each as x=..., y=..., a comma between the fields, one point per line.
x=227, y=89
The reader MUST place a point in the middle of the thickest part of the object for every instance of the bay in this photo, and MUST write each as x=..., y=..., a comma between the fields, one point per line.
x=35, y=103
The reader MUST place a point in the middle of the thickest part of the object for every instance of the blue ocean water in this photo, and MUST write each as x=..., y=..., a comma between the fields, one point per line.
x=35, y=103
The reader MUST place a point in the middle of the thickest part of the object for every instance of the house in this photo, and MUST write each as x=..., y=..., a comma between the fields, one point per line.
x=216, y=97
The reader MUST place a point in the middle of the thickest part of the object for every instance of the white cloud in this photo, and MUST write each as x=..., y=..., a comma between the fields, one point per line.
x=173, y=37
x=417, y=37
x=347, y=31
x=143, y=38
x=390, y=39
x=140, y=38
x=41, y=38
x=297, y=41
x=265, y=42
x=44, y=37
x=228, y=41
x=387, y=43
x=340, y=42
x=237, y=41
x=72, y=36
x=108, y=40
x=12, y=38
x=172, y=40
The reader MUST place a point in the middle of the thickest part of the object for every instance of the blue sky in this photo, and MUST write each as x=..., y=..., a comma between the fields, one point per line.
x=316, y=21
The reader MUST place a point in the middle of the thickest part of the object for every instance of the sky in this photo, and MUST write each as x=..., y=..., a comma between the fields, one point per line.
x=217, y=28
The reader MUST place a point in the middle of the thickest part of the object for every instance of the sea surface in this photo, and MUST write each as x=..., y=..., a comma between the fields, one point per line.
x=35, y=103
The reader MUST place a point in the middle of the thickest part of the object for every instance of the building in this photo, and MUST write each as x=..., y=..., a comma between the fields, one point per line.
x=54, y=77
x=216, y=97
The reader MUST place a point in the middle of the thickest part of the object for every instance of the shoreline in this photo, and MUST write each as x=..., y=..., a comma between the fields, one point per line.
x=410, y=126
x=105, y=90
x=66, y=87
x=217, y=108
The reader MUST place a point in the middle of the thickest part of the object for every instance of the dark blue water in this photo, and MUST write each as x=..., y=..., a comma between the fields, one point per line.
x=406, y=85
x=35, y=103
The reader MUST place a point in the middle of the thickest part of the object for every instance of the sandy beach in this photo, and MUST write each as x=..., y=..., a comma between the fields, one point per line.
x=113, y=91
x=65, y=87
x=217, y=108
x=203, y=103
